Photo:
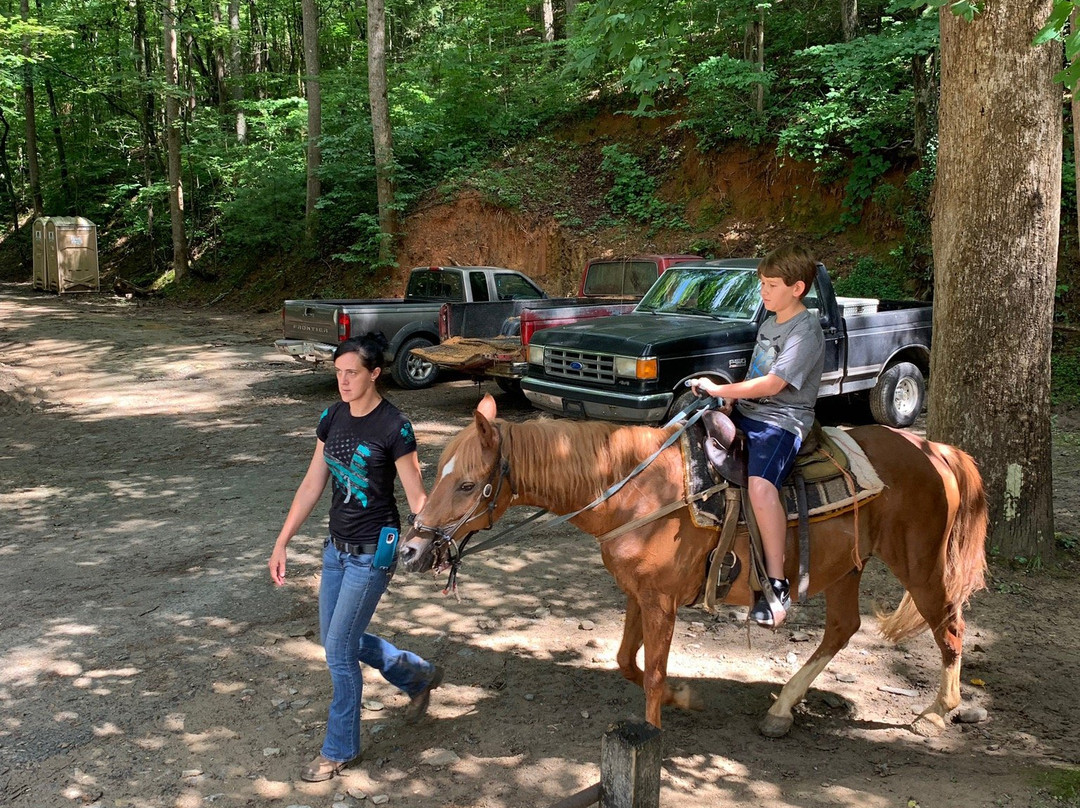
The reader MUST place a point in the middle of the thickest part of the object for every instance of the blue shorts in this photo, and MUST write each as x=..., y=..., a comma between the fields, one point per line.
x=771, y=449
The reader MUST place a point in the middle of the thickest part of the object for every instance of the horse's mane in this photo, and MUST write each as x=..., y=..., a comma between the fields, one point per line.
x=568, y=461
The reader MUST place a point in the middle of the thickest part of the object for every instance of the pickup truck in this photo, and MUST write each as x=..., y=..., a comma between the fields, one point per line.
x=701, y=319
x=489, y=339
x=312, y=329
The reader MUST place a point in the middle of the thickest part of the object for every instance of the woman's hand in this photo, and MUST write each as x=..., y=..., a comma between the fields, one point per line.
x=277, y=565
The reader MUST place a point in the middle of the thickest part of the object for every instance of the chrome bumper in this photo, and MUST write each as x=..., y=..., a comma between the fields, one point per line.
x=306, y=349
x=581, y=402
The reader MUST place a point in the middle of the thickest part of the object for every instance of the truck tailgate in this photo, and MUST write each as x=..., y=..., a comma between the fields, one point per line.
x=304, y=319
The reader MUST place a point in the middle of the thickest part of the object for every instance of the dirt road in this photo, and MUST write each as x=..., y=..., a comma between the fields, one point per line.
x=148, y=456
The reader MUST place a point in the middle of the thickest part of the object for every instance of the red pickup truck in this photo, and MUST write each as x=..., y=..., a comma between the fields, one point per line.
x=490, y=338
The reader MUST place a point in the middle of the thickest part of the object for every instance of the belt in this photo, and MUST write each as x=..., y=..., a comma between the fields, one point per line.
x=355, y=548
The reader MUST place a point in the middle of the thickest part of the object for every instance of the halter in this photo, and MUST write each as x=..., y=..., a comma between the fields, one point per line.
x=444, y=535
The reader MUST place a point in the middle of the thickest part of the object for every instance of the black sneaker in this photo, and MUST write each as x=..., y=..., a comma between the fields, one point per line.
x=763, y=614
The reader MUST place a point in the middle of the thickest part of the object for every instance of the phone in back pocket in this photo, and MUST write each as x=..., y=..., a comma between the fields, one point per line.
x=386, y=552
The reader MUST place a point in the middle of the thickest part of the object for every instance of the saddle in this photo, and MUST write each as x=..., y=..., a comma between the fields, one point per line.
x=725, y=448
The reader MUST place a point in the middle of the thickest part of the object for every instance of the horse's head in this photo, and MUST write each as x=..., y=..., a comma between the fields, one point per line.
x=472, y=490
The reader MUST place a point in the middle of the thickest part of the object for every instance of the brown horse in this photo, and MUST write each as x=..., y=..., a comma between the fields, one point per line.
x=928, y=526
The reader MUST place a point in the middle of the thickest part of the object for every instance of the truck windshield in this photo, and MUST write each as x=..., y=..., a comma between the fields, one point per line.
x=726, y=293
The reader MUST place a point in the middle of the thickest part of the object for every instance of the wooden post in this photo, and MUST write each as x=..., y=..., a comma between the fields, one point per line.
x=630, y=758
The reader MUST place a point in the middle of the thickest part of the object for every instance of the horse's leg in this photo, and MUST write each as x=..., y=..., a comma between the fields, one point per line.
x=947, y=622
x=631, y=642
x=658, y=625
x=841, y=622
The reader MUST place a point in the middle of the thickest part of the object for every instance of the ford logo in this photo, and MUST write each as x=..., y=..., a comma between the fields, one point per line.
x=575, y=366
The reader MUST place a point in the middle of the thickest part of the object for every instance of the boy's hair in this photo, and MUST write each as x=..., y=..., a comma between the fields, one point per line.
x=792, y=263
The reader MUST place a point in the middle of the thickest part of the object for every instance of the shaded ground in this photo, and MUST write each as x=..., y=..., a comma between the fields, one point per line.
x=148, y=457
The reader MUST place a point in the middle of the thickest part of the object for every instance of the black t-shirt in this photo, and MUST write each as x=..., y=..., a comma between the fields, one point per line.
x=361, y=453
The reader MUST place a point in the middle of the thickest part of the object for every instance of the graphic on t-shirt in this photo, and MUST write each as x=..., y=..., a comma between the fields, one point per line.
x=353, y=477
x=763, y=359
x=407, y=433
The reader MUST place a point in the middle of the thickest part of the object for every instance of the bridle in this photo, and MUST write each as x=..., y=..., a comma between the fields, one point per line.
x=443, y=535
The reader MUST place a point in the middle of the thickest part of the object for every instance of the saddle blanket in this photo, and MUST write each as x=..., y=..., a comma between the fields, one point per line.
x=825, y=497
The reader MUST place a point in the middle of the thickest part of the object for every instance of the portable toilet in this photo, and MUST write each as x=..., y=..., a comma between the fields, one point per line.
x=40, y=265
x=71, y=254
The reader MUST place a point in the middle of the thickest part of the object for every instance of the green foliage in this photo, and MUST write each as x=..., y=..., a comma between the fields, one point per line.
x=721, y=92
x=854, y=118
x=1065, y=376
x=872, y=278
x=633, y=191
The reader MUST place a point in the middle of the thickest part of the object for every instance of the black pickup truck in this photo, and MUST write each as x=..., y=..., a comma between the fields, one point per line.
x=701, y=318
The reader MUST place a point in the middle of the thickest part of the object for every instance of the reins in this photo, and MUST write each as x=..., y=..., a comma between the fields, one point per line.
x=457, y=550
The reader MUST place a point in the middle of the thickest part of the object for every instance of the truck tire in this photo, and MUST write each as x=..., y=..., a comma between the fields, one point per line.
x=897, y=398
x=512, y=387
x=411, y=372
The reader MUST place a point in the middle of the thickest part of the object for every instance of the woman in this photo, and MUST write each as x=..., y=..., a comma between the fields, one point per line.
x=363, y=441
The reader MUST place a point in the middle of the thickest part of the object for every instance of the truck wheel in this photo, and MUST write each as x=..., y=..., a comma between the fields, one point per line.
x=512, y=387
x=681, y=402
x=411, y=372
x=897, y=398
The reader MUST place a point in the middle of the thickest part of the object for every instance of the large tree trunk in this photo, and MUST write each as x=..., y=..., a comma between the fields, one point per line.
x=380, y=126
x=849, y=19
x=236, y=72
x=172, y=139
x=995, y=234
x=314, y=115
x=547, y=12
x=33, y=171
x=571, y=8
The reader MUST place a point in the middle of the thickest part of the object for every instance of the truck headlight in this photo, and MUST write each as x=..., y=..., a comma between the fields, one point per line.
x=634, y=368
x=536, y=354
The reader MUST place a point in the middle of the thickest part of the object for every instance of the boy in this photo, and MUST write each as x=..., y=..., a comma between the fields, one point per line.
x=776, y=405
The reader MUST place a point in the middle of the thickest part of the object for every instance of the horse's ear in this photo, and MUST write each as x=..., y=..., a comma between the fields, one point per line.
x=484, y=416
x=486, y=407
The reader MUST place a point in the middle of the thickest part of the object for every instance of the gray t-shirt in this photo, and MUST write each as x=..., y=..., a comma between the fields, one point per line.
x=794, y=351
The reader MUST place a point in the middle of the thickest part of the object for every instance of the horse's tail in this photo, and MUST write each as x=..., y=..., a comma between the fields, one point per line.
x=965, y=548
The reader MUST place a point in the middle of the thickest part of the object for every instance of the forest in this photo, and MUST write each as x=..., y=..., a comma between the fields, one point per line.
x=273, y=120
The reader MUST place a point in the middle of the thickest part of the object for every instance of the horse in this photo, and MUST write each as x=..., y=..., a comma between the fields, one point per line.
x=928, y=526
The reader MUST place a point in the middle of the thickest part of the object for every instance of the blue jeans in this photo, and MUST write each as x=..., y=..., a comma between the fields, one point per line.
x=348, y=594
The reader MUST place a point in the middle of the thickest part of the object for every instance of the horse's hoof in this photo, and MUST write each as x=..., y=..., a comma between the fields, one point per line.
x=928, y=725
x=684, y=697
x=774, y=726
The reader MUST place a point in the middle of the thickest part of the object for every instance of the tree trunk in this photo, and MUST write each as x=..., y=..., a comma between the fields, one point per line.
x=380, y=126
x=216, y=54
x=172, y=139
x=314, y=115
x=922, y=72
x=5, y=171
x=258, y=49
x=995, y=232
x=759, y=44
x=547, y=11
x=849, y=19
x=1074, y=115
x=32, y=168
x=236, y=73
x=571, y=8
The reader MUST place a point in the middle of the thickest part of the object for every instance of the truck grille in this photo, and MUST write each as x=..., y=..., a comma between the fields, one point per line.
x=581, y=366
